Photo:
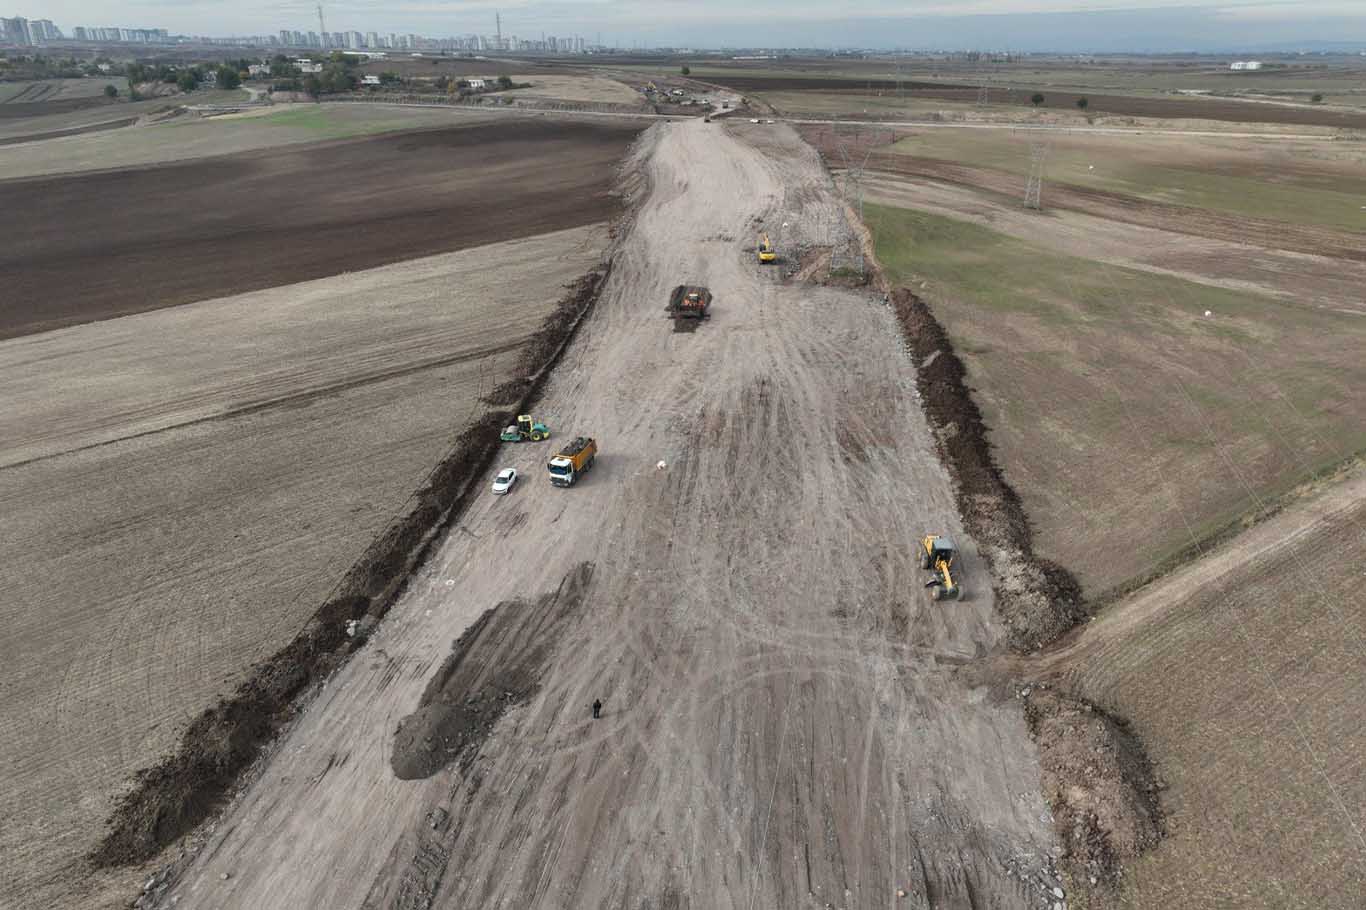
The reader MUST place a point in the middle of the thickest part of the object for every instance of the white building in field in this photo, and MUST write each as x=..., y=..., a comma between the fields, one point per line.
x=1244, y=66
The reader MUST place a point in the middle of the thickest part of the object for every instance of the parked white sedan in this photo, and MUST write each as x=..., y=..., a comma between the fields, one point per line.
x=504, y=481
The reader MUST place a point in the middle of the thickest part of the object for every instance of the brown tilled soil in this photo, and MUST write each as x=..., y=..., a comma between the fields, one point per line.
x=494, y=666
x=17, y=110
x=72, y=131
x=1115, y=105
x=92, y=246
x=179, y=792
x=1038, y=599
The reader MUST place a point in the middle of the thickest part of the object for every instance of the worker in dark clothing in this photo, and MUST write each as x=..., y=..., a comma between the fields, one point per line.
x=597, y=708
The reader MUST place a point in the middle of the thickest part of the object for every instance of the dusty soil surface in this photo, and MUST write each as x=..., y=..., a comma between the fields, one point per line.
x=183, y=488
x=1118, y=105
x=496, y=665
x=784, y=718
x=1243, y=673
x=573, y=88
x=1301, y=278
x=204, y=229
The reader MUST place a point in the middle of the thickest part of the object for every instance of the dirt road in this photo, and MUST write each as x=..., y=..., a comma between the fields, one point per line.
x=784, y=721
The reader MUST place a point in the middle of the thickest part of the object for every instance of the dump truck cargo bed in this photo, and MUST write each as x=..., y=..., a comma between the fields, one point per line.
x=689, y=302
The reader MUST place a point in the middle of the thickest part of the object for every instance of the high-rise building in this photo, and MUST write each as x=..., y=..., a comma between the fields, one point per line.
x=43, y=29
x=16, y=31
x=372, y=40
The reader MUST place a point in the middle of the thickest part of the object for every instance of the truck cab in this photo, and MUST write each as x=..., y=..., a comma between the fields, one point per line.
x=574, y=459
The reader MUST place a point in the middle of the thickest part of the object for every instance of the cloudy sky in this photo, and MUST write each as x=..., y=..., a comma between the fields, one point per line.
x=1017, y=24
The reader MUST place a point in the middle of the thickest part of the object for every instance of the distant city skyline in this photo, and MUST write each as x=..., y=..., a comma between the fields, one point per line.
x=1099, y=26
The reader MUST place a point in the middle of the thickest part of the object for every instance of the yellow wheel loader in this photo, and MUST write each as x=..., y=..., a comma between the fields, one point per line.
x=937, y=554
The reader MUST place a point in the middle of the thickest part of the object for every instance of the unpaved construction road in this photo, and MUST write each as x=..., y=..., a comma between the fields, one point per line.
x=785, y=718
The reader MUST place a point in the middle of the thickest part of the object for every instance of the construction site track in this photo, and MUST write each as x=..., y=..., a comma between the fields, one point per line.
x=175, y=795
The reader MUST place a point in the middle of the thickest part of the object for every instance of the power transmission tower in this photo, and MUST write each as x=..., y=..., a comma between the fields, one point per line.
x=851, y=190
x=984, y=90
x=1038, y=152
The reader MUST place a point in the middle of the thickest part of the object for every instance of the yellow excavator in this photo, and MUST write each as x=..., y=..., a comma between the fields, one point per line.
x=766, y=253
x=937, y=553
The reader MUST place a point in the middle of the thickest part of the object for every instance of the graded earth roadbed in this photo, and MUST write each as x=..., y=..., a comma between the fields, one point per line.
x=784, y=717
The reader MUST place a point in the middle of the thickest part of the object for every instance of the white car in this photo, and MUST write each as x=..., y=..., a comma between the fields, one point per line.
x=753, y=119
x=505, y=480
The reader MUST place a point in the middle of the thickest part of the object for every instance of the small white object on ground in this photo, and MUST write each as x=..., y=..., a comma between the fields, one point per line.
x=1208, y=313
x=661, y=465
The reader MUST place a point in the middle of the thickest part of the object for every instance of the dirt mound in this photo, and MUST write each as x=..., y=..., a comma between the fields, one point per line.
x=172, y=797
x=1038, y=600
x=495, y=665
x=1099, y=783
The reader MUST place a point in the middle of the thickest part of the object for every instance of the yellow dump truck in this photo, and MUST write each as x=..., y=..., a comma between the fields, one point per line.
x=574, y=459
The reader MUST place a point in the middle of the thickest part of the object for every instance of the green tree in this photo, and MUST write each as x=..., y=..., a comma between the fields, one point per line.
x=505, y=82
x=187, y=81
x=1318, y=97
x=685, y=71
x=1083, y=103
x=1037, y=99
x=313, y=85
x=228, y=77
x=110, y=92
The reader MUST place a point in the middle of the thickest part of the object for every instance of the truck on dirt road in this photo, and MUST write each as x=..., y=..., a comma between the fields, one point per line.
x=574, y=459
x=689, y=302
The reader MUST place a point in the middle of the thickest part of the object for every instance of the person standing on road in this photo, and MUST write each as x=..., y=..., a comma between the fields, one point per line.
x=597, y=708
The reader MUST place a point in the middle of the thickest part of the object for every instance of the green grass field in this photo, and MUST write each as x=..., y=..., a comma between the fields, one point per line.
x=1281, y=183
x=1125, y=418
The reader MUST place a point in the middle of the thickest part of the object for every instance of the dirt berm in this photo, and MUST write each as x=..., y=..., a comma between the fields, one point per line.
x=1098, y=782
x=1038, y=600
x=1096, y=775
x=172, y=797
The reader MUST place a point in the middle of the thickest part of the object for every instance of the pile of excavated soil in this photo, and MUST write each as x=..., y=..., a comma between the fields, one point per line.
x=1038, y=600
x=1098, y=782
x=172, y=797
x=494, y=666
